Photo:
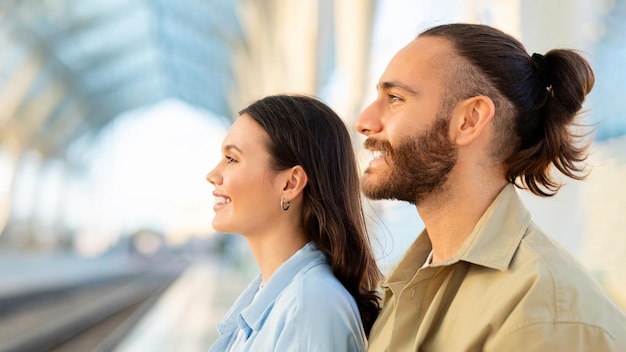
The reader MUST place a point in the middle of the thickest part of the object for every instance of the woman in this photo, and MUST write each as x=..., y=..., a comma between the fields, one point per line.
x=288, y=182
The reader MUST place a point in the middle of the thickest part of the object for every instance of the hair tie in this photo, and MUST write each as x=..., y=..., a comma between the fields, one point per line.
x=542, y=70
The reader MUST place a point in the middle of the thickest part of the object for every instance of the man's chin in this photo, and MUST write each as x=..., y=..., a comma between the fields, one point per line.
x=370, y=195
x=373, y=190
x=377, y=191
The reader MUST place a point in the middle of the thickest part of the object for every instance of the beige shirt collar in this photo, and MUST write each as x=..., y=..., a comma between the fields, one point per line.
x=486, y=245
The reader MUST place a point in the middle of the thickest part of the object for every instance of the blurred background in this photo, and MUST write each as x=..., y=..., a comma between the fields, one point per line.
x=113, y=111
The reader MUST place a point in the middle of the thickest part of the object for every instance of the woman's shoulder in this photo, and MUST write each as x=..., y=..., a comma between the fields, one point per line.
x=316, y=290
x=317, y=297
x=320, y=278
x=323, y=309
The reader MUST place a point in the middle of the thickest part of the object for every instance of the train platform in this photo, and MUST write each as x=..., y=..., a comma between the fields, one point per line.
x=182, y=315
x=186, y=315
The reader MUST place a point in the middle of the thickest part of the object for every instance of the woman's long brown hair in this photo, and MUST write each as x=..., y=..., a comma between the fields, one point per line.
x=304, y=131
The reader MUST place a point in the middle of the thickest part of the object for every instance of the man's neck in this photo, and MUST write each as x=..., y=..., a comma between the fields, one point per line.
x=451, y=216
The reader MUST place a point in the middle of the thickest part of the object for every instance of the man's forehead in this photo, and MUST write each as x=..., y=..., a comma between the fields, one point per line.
x=423, y=54
x=427, y=48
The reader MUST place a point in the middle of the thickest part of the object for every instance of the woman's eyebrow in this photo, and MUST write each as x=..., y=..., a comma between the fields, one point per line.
x=232, y=147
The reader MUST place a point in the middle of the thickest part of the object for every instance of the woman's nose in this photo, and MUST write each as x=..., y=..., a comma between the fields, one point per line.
x=214, y=177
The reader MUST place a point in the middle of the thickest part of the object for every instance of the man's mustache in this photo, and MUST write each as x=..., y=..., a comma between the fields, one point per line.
x=383, y=146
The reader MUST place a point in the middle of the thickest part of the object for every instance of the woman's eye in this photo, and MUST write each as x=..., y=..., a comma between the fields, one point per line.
x=229, y=160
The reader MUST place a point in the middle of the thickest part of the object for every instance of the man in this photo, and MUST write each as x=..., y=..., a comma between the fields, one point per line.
x=463, y=116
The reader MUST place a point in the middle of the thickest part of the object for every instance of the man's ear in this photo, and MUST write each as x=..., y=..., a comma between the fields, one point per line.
x=469, y=119
x=296, y=180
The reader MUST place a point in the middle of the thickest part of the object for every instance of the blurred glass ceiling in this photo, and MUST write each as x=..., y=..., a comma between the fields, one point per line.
x=69, y=67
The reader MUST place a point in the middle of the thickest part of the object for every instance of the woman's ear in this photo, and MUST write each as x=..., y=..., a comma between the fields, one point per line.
x=470, y=117
x=296, y=180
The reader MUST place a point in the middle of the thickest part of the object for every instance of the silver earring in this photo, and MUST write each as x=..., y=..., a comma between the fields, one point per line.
x=282, y=204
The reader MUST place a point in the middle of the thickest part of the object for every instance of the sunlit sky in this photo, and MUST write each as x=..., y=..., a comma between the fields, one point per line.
x=159, y=160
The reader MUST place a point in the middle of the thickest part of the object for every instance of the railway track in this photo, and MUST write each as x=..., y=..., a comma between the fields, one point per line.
x=88, y=316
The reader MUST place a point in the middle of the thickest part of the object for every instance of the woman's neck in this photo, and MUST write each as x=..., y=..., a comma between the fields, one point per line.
x=271, y=250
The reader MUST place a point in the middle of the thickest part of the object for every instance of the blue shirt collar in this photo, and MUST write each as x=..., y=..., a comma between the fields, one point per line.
x=254, y=309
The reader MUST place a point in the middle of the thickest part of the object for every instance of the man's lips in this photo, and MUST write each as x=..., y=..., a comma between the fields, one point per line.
x=379, y=154
x=379, y=149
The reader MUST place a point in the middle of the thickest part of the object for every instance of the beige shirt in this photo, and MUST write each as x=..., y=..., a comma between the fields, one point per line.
x=510, y=288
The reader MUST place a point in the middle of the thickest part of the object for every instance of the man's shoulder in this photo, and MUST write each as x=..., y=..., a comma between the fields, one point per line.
x=549, y=284
x=544, y=290
x=551, y=267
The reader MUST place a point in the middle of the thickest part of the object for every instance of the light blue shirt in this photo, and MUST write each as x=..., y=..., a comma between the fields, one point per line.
x=302, y=307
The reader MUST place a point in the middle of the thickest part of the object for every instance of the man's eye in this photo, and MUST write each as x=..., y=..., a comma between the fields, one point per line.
x=394, y=98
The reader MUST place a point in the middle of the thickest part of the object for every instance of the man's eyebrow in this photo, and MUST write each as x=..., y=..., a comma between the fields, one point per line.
x=232, y=147
x=395, y=84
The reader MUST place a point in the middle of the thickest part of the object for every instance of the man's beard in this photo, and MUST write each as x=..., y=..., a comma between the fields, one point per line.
x=418, y=167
